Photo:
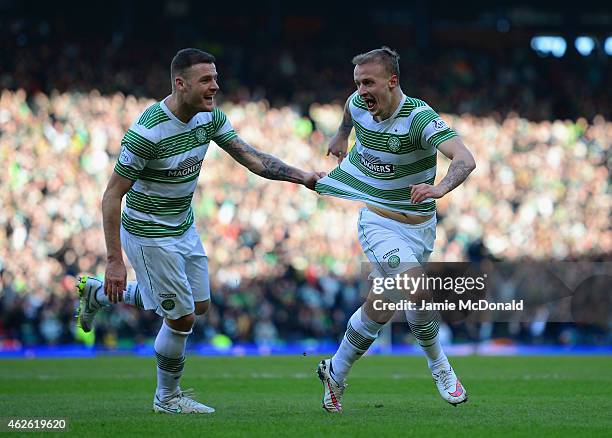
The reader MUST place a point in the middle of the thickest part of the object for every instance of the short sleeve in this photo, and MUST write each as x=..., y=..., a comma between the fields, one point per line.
x=223, y=131
x=136, y=151
x=436, y=131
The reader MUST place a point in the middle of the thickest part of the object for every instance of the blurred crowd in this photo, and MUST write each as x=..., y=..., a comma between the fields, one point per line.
x=284, y=262
x=296, y=65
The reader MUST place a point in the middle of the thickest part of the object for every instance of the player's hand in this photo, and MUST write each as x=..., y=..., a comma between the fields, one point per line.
x=337, y=147
x=420, y=192
x=115, y=279
x=311, y=178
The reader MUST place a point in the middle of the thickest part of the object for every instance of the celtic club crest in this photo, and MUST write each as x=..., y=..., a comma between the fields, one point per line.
x=394, y=144
x=200, y=135
x=393, y=261
x=168, y=304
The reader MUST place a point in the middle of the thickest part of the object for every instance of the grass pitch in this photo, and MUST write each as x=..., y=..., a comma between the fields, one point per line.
x=280, y=396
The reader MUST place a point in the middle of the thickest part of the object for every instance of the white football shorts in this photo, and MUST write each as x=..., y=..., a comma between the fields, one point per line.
x=394, y=247
x=171, y=277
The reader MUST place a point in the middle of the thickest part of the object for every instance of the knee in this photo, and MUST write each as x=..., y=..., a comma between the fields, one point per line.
x=183, y=324
x=421, y=293
x=201, y=307
x=375, y=310
x=420, y=296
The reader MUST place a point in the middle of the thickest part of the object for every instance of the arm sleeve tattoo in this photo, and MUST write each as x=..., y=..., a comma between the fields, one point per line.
x=347, y=120
x=458, y=171
x=262, y=164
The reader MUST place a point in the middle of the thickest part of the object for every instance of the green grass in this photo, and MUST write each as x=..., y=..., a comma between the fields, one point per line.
x=280, y=396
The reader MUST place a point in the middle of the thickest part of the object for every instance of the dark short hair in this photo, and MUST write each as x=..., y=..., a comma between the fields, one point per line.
x=185, y=58
x=385, y=56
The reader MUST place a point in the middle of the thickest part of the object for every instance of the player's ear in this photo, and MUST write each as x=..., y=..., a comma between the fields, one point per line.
x=179, y=82
x=393, y=81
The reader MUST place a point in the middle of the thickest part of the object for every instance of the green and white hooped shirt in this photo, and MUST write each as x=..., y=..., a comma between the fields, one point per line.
x=164, y=156
x=389, y=156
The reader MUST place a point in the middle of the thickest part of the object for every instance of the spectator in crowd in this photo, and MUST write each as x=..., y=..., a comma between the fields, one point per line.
x=541, y=191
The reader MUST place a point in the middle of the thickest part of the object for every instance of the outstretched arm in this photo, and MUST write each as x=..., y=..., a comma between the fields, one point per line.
x=268, y=166
x=339, y=142
x=462, y=164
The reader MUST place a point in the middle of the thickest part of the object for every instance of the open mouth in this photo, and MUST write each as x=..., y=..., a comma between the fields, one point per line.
x=209, y=99
x=370, y=102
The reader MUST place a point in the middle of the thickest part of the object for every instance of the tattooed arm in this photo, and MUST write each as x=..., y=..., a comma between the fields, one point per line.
x=268, y=166
x=339, y=142
x=462, y=164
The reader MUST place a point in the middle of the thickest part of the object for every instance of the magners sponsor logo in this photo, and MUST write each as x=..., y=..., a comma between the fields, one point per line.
x=188, y=167
x=373, y=164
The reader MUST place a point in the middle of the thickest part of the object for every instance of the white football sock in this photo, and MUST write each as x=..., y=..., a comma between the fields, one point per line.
x=170, y=352
x=131, y=296
x=425, y=326
x=360, y=333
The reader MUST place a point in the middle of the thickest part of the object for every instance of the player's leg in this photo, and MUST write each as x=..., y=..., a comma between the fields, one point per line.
x=175, y=297
x=91, y=290
x=378, y=243
x=361, y=331
x=170, y=344
x=163, y=287
x=425, y=326
x=424, y=323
